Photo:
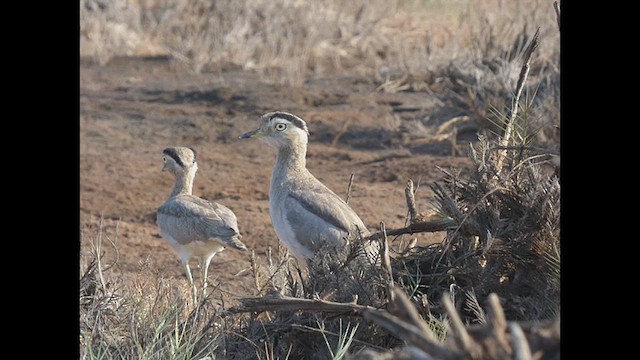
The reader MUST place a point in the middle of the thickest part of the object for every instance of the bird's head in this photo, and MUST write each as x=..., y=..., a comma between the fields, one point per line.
x=280, y=129
x=179, y=159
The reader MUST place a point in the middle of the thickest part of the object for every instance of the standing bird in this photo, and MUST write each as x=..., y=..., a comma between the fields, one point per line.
x=305, y=214
x=191, y=225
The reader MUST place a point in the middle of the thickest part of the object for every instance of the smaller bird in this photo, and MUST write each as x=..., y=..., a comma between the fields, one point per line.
x=191, y=225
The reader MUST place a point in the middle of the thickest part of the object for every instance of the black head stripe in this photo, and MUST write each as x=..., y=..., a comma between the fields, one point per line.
x=174, y=155
x=195, y=153
x=290, y=117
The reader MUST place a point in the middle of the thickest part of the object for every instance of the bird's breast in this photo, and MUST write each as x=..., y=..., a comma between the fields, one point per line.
x=203, y=248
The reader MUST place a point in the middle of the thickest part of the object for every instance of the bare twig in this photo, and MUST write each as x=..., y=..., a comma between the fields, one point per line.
x=524, y=72
x=557, y=7
x=349, y=188
x=386, y=263
x=411, y=201
x=254, y=269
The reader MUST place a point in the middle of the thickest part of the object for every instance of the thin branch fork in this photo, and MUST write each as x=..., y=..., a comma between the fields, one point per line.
x=415, y=223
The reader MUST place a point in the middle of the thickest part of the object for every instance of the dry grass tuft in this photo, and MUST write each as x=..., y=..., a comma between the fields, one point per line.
x=146, y=318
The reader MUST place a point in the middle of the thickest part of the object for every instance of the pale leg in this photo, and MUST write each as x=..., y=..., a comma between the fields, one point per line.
x=194, y=291
x=187, y=270
x=205, y=271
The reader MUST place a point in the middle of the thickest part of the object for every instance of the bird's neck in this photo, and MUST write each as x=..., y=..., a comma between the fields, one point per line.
x=290, y=159
x=184, y=183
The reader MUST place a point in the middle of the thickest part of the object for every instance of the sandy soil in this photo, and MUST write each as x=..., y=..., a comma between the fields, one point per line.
x=131, y=109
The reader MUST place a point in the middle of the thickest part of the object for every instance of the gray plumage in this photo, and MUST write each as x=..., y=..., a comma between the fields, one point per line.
x=305, y=214
x=191, y=225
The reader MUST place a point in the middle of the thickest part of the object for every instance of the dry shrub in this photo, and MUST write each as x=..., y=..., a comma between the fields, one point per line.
x=506, y=213
x=507, y=240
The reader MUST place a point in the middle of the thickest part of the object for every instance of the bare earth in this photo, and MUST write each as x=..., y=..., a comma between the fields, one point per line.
x=131, y=109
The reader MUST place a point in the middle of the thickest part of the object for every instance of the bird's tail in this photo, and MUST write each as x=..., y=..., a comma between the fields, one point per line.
x=235, y=243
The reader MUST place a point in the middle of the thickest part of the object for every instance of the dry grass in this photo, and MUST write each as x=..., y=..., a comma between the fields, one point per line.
x=289, y=40
x=466, y=54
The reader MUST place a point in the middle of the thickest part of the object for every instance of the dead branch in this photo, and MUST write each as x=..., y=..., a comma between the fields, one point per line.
x=286, y=303
x=418, y=227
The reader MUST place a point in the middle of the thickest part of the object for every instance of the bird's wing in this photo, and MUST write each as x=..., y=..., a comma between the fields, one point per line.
x=189, y=218
x=328, y=207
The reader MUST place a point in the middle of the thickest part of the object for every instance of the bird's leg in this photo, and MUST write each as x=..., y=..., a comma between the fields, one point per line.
x=205, y=270
x=194, y=290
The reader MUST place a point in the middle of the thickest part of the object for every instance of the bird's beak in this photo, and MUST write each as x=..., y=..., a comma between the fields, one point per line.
x=252, y=134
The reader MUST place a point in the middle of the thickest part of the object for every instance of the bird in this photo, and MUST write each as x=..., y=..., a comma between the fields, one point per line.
x=191, y=225
x=306, y=215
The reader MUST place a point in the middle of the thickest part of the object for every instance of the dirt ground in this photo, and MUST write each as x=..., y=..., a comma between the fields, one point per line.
x=132, y=108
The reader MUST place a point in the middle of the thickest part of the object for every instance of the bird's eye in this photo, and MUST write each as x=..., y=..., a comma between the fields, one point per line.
x=164, y=159
x=281, y=126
